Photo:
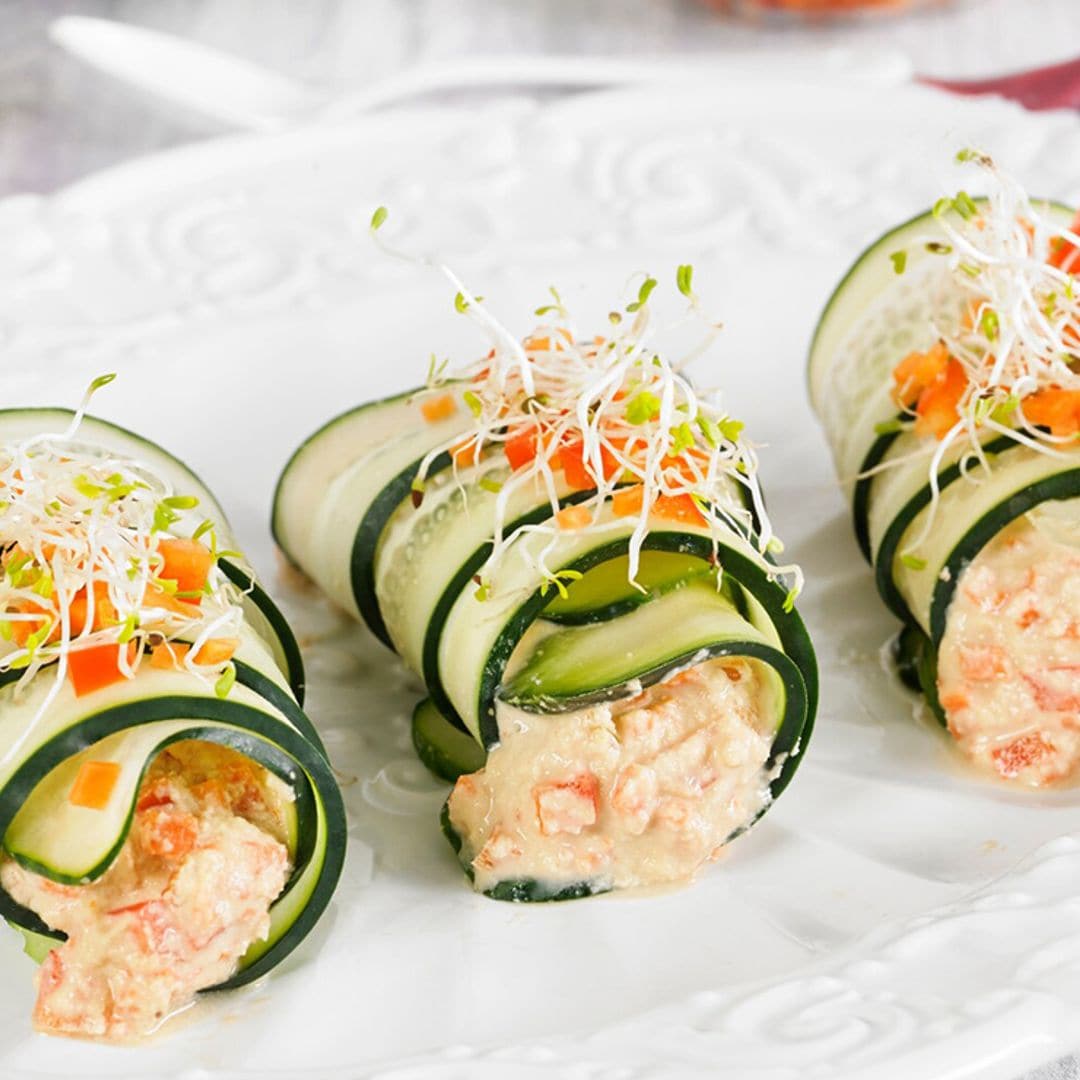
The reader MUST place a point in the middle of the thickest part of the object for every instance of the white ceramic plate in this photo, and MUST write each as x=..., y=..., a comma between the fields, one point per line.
x=893, y=917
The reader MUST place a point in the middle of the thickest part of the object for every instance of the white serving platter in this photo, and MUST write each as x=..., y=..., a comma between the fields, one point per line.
x=893, y=916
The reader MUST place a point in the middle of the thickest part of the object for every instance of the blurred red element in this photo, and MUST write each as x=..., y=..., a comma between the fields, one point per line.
x=816, y=9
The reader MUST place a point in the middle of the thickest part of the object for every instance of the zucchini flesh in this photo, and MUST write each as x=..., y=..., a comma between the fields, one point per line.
x=606, y=591
x=443, y=747
x=580, y=665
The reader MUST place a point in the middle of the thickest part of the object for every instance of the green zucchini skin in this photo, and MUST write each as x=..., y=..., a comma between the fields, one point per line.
x=1017, y=483
x=446, y=749
x=260, y=718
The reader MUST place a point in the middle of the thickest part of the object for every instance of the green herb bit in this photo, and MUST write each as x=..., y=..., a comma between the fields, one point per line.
x=202, y=530
x=489, y=484
x=710, y=430
x=643, y=295
x=557, y=306
x=682, y=437
x=164, y=516
x=989, y=324
x=44, y=584
x=472, y=399
x=378, y=218
x=35, y=640
x=225, y=683
x=461, y=304
x=935, y=247
x=731, y=429
x=102, y=380
x=7, y=631
x=87, y=488
x=889, y=427
x=970, y=269
x=643, y=407
x=127, y=632
x=181, y=502
x=899, y=261
x=913, y=562
x=17, y=571
x=965, y=205
x=789, y=600
x=684, y=277
x=1001, y=412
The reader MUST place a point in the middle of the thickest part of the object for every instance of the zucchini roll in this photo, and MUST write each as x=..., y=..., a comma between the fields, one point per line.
x=569, y=546
x=945, y=370
x=170, y=822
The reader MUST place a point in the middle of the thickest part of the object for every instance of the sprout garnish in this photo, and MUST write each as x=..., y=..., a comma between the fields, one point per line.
x=610, y=413
x=1006, y=311
x=80, y=562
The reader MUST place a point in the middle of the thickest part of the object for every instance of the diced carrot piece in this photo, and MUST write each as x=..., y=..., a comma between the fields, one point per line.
x=217, y=650
x=213, y=652
x=440, y=408
x=96, y=667
x=573, y=517
x=104, y=609
x=170, y=656
x=94, y=784
x=628, y=501
x=1063, y=254
x=578, y=471
x=520, y=448
x=21, y=629
x=187, y=562
x=159, y=598
x=917, y=371
x=1056, y=409
x=466, y=453
x=677, y=508
x=537, y=344
x=938, y=408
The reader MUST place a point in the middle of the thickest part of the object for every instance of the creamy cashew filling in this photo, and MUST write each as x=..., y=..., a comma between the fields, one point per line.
x=633, y=792
x=1009, y=662
x=185, y=898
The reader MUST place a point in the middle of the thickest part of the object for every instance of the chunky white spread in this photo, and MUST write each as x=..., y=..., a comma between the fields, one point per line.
x=635, y=792
x=187, y=895
x=1009, y=663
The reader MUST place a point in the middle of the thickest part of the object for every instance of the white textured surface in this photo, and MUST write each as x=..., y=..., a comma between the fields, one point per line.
x=892, y=917
x=59, y=122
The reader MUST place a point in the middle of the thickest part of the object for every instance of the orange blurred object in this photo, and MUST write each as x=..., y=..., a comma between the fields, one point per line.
x=817, y=9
